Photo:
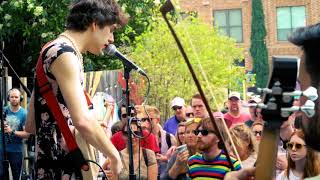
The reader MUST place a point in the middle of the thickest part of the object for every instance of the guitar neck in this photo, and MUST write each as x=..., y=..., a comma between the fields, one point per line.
x=267, y=155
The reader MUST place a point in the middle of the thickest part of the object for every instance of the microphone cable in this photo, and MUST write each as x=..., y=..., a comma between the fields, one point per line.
x=94, y=162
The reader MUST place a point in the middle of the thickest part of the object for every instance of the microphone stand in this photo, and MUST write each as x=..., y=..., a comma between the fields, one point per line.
x=127, y=70
x=4, y=75
x=5, y=161
x=16, y=75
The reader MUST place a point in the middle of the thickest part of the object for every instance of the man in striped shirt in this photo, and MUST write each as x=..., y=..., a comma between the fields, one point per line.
x=212, y=163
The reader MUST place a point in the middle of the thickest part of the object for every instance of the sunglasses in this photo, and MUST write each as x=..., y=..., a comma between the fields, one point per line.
x=145, y=119
x=176, y=107
x=297, y=146
x=257, y=133
x=125, y=133
x=203, y=132
x=126, y=115
x=189, y=114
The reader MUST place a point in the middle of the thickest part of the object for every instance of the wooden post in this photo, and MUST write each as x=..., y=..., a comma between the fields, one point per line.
x=24, y=94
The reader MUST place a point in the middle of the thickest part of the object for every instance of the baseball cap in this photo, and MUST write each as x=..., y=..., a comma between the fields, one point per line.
x=177, y=101
x=234, y=94
x=254, y=99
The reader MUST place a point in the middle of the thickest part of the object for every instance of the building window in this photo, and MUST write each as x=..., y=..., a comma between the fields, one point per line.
x=288, y=19
x=229, y=22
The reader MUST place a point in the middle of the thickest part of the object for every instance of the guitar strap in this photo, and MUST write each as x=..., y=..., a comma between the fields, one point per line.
x=75, y=156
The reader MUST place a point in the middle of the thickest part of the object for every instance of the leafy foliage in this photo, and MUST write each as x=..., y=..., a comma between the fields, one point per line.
x=258, y=47
x=28, y=24
x=157, y=52
x=141, y=14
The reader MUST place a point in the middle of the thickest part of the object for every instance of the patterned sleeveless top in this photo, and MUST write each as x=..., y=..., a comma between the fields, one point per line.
x=49, y=153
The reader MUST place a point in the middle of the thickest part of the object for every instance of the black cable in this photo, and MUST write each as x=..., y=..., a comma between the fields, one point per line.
x=104, y=174
x=148, y=91
x=139, y=164
x=141, y=136
x=148, y=115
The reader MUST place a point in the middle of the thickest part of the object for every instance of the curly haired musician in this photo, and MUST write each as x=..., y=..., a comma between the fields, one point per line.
x=89, y=28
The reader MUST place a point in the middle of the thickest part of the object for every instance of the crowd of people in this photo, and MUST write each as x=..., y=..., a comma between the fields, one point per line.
x=189, y=145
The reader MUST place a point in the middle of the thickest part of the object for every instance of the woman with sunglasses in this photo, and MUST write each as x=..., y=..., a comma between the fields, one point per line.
x=177, y=165
x=145, y=163
x=302, y=161
x=257, y=129
x=245, y=143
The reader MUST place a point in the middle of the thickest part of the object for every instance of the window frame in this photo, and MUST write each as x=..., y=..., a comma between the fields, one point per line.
x=228, y=27
x=291, y=29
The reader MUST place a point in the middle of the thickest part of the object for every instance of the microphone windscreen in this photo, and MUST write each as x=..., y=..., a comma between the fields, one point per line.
x=110, y=50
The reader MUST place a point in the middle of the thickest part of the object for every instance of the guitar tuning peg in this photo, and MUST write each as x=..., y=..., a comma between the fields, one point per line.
x=275, y=90
x=285, y=112
x=264, y=91
x=250, y=105
x=308, y=108
x=262, y=106
x=310, y=93
x=256, y=105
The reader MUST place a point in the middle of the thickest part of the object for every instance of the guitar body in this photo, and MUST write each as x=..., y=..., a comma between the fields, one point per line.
x=88, y=151
x=282, y=79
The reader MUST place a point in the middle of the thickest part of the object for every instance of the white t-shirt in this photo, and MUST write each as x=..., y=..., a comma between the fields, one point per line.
x=249, y=162
x=282, y=176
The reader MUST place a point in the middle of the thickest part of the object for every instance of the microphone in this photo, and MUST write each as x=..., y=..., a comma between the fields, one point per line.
x=112, y=51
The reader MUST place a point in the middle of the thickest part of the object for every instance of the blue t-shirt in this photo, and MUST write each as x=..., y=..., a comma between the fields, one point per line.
x=171, y=125
x=16, y=121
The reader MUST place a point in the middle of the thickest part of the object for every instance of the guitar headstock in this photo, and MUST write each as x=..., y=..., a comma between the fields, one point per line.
x=282, y=79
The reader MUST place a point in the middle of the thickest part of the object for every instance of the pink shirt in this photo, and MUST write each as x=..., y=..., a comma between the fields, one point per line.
x=230, y=120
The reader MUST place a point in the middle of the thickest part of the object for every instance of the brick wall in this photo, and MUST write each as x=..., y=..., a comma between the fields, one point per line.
x=205, y=10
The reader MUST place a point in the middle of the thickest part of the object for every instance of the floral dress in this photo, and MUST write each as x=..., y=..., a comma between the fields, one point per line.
x=49, y=153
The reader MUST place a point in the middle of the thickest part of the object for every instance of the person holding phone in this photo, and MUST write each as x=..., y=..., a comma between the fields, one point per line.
x=177, y=165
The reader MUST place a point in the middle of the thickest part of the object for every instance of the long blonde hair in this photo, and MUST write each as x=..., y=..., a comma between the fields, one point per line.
x=241, y=133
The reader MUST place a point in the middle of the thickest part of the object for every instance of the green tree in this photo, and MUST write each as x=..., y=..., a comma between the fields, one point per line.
x=157, y=53
x=141, y=14
x=28, y=24
x=258, y=47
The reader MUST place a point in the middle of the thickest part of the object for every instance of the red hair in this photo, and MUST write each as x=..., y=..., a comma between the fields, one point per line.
x=312, y=165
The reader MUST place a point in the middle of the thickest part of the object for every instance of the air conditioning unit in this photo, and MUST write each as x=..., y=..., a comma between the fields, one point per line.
x=205, y=3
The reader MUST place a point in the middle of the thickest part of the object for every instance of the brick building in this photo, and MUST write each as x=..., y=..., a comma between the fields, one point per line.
x=234, y=19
